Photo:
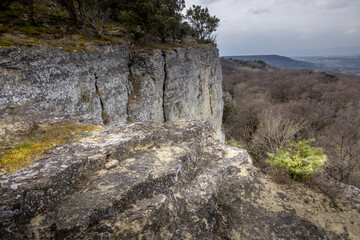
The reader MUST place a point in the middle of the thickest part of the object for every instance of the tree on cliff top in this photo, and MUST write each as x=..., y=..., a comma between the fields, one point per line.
x=151, y=20
x=203, y=24
x=95, y=13
x=169, y=19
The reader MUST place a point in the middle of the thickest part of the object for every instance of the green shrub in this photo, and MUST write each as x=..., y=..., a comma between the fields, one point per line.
x=234, y=143
x=298, y=158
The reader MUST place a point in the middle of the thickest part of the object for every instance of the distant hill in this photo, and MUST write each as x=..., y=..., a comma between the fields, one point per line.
x=344, y=64
x=278, y=61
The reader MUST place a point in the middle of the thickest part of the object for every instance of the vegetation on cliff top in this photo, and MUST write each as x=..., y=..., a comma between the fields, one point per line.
x=75, y=23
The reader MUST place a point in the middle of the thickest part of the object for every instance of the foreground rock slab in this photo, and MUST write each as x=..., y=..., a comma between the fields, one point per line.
x=170, y=181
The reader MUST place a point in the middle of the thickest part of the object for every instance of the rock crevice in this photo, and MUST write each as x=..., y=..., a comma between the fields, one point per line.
x=164, y=87
x=103, y=112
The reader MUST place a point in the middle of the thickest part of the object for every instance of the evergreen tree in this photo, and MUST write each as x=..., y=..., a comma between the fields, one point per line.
x=92, y=12
x=169, y=18
x=203, y=24
x=5, y=3
x=141, y=13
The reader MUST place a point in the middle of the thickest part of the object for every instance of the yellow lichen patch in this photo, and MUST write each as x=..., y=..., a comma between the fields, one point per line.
x=20, y=156
x=36, y=140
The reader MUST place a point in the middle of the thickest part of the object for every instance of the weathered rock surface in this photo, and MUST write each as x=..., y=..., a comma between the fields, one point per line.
x=172, y=181
x=112, y=85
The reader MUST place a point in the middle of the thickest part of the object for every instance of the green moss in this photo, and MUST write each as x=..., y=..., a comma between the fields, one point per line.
x=3, y=29
x=30, y=42
x=85, y=97
x=29, y=29
x=72, y=48
x=162, y=47
x=234, y=143
x=103, y=39
x=87, y=39
x=129, y=119
x=6, y=43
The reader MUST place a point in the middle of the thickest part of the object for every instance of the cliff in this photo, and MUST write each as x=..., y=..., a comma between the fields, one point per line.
x=112, y=85
x=154, y=171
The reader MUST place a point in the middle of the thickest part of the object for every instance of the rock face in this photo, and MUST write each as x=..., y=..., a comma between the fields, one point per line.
x=170, y=181
x=112, y=85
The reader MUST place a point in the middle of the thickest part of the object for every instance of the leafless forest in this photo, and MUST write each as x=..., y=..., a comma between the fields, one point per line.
x=273, y=106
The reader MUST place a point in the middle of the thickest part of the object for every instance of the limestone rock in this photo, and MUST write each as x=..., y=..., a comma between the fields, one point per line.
x=193, y=91
x=111, y=164
x=173, y=181
x=112, y=85
x=228, y=99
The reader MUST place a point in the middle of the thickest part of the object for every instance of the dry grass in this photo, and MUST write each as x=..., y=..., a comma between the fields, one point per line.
x=355, y=179
x=280, y=176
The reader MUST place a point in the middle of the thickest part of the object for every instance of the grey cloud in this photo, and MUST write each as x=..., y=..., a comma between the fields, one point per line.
x=332, y=4
x=259, y=11
x=206, y=2
x=285, y=26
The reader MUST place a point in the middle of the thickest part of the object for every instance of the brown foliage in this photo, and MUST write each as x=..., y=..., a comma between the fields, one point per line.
x=354, y=179
x=325, y=105
x=325, y=186
x=273, y=131
x=280, y=176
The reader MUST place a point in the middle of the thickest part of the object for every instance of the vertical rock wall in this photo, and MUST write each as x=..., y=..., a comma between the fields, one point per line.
x=193, y=86
x=112, y=85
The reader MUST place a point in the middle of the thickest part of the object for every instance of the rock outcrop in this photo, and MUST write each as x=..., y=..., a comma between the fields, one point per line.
x=167, y=181
x=153, y=172
x=112, y=85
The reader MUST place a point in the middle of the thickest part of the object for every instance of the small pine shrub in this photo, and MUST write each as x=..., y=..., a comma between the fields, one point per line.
x=299, y=159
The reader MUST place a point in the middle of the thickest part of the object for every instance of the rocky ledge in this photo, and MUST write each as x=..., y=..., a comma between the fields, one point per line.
x=156, y=181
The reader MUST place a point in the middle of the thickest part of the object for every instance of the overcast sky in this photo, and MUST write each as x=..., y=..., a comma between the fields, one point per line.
x=286, y=27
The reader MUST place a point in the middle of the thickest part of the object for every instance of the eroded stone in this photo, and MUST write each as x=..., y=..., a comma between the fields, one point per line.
x=172, y=181
x=111, y=164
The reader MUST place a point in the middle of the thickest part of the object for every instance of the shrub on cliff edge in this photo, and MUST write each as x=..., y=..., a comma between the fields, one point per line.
x=300, y=159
